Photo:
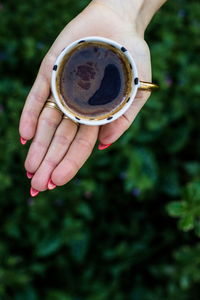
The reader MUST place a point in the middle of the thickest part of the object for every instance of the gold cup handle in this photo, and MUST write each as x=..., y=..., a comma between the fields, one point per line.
x=148, y=86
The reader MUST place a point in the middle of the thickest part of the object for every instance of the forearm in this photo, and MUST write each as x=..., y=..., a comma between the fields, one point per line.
x=138, y=12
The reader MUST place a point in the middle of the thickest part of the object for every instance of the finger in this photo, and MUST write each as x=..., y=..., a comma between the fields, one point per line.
x=47, y=124
x=41, y=87
x=77, y=154
x=109, y=133
x=36, y=99
x=62, y=139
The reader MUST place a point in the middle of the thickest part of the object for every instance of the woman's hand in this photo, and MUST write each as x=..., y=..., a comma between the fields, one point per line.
x=59, y=147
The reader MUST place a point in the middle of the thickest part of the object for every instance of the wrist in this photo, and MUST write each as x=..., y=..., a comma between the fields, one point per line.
x=137, y=12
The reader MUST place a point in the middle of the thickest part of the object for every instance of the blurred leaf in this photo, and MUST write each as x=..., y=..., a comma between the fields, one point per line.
x=48, y=246
x=187, y=223
x=175, y=209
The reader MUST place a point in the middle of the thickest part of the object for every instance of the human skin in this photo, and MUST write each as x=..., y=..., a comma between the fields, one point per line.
x=59, y=148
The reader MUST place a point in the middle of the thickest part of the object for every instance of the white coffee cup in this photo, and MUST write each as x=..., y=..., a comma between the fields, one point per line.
x=135, y=83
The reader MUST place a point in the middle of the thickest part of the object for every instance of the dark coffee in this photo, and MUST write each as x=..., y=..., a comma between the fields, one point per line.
x=94, y=79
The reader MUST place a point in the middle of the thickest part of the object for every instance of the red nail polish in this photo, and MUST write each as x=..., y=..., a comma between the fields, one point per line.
x=29, y=175
x=51, y=185
x=22, y=140
x=33, y=192
x=103, y=146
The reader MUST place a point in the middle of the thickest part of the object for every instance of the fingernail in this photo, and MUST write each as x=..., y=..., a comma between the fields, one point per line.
x=29, y=175
x=22, y=140
x=103, y=146
x=33, y=192
x=51, y=185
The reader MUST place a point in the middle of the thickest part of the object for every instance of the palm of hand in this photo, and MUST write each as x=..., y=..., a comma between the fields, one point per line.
x=58, y=149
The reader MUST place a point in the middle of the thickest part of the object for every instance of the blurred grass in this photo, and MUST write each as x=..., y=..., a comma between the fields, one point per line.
x=108, y=234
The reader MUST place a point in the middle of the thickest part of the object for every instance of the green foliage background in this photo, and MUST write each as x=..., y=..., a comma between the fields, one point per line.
x=108, y=234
